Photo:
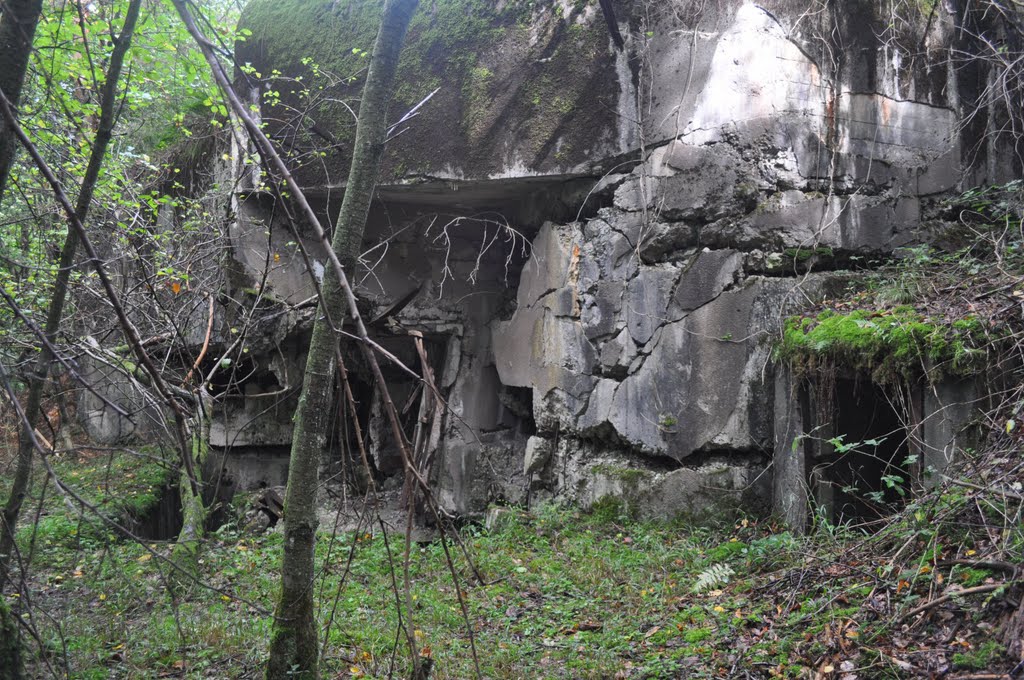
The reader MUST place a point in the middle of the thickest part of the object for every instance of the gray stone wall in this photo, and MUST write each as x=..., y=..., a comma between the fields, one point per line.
x=609, y=238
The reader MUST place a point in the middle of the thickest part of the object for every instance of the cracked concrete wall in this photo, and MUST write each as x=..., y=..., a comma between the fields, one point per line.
x=676, y=197
x=455, y=268
x=645, y=331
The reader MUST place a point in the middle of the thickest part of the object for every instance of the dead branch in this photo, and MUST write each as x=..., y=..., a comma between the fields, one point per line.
x=988, y=588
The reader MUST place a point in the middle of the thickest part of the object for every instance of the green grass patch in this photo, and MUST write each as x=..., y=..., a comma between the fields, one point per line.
x=566, y=594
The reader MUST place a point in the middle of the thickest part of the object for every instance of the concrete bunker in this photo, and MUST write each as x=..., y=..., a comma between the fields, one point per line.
x=162, y=520
x=864, y=454
x=852, y=451
x=442, y=261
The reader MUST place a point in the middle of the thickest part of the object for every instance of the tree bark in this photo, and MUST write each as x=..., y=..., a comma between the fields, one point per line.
x=11, y=667
x=10, y=645
x=17, y=30
x=293, y=649
x=185, y=554
x=104, y=132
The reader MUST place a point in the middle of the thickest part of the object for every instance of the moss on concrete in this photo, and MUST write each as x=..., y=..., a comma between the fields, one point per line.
x=630, y=477
x=888, y=343
x=517, y=70
x=804, y=254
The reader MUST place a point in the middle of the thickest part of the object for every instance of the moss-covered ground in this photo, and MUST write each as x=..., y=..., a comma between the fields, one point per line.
x=564, y=594
x=122, y=486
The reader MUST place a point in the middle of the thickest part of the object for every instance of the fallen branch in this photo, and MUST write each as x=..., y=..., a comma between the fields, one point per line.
x=996, y=565
x=946, y=598
x=976, y=487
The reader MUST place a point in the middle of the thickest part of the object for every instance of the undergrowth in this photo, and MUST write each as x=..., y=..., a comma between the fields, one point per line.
x=564, y=593
x=939, y=584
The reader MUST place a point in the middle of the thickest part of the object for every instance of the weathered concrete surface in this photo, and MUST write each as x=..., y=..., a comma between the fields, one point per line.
x=105, y=425
x=790, y=493
x=696, y=336
x=714, y=489
x=525, y=88
x=950, y=409
x=538, y=88
x=938, y=417
x=602, y=243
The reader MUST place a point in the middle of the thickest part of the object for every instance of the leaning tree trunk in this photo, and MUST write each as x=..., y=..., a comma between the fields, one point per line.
x=17, y=30
x=104, y=132
x=294, y=641
x=1013, y=634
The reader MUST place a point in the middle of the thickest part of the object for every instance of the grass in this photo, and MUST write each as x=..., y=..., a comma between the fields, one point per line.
x=565, y=594
x=124, y=486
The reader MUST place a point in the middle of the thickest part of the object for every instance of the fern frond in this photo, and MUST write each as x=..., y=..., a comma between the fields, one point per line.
x=713, y=576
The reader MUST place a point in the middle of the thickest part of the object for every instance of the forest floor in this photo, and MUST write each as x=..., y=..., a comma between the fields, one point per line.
x=554, y=593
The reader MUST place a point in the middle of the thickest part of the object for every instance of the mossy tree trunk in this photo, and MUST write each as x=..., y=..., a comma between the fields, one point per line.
x=185, y=555
x=10, y=645
x=55, y=312
x=294, y=649
x=17, y=30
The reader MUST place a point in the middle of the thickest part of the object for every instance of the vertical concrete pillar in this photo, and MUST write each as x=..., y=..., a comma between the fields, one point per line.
x=790, y=498
x=949, y=408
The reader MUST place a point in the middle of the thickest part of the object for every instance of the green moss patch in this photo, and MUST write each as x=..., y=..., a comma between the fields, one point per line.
x=888, y=343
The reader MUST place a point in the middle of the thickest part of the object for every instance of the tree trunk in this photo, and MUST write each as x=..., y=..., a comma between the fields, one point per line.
x=55, y=313
x=17, y=30
x=185, y=554
x=1013, y=635
x=10, y=645
x=294, y=640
